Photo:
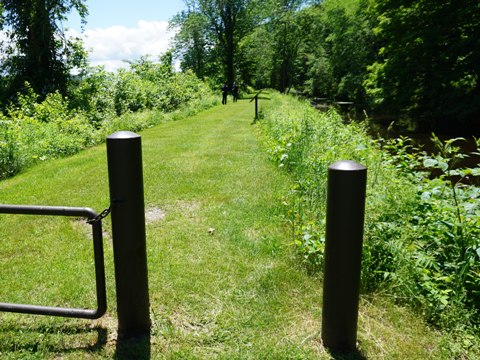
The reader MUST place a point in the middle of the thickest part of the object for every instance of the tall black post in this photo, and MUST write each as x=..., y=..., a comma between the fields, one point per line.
x=124, y=152
x=347, y=182
x=256, y=107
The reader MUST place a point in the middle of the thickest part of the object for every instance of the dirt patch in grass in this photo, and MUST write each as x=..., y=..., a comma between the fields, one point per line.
x=154, y=214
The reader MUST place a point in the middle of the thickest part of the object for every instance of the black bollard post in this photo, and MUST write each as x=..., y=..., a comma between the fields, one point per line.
x=256, y=107
x=347, y=182
x=124, y=152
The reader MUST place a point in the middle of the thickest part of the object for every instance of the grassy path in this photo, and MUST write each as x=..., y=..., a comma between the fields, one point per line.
x=223, y=279
x=234, y=292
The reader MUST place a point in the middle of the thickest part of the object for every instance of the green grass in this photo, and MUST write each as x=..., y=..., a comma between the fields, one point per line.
x=236, y=293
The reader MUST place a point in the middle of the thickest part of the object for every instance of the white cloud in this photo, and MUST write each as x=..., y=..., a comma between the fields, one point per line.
x=5, y=40
x=110, y=46
x=3, y=36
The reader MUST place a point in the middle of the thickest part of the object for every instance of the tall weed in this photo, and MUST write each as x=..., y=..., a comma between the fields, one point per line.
x=421, y=242
x=306, y=142
x=101, y=104
x=442, y=264
x=11, y=160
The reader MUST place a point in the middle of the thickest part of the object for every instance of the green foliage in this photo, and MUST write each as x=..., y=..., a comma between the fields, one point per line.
x=427, y=62
x=208, y=36
x=151, y=85
x=38, y=51
x=191, y=42
x=445, y=228
x=39, y=131
x=416, y=59
x=256, y=58
x=306, y=142
x=339, y=49
x=102, y=103
x=422, y=225
x=94, y=95
x=321, y=50
x=11, y=161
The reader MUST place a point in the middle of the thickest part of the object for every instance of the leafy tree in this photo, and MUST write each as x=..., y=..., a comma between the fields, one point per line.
x=321, y=50
x=210, y=31
x=428, y=64
x=270, y=50
x=287, y=39
x=38, y=51
x=192, y=43
x=315, y=73
x=256, y=56
x=338, y=46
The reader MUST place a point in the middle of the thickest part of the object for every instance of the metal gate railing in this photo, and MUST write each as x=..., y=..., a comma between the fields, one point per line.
x=127, y=206
x=95, y=221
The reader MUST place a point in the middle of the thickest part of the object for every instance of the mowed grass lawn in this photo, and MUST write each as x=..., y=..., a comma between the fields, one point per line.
x=224, y=280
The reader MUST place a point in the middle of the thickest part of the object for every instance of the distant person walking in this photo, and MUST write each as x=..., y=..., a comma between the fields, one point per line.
x=224, y=94
x=235, y=92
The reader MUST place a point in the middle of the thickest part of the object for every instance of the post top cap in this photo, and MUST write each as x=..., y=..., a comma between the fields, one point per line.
x=123, y=135
x=347, y=165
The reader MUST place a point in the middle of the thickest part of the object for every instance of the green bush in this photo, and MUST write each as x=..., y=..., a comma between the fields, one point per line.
x=422, y=233
x=144, y=86
x=100, y=104
x=439, y=261
x=11, y=160
x=49, y=129
x=94, y=95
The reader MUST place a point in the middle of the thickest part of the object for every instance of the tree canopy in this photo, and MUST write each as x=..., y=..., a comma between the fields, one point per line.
x=428, y=64
x=38, y=51
x=417, y=58
x=210, y=31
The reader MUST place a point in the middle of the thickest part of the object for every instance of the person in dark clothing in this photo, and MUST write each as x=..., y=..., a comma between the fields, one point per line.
x=224, y=94
x=235, y=92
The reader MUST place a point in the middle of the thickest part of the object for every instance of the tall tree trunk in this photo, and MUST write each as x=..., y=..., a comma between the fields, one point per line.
x=229, y=23
x=39, y=57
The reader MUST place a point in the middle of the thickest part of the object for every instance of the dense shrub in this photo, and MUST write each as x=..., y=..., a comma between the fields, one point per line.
x=100, y=103
x=145, y=86
x=422, y=233
x=94, y=95
x=436, y=266
x=11, y=160
x=306, y=142
x=37, y=131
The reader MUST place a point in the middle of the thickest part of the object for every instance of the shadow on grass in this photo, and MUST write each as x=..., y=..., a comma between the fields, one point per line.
x=52, y=339
x=346, y=355
x=133, y=348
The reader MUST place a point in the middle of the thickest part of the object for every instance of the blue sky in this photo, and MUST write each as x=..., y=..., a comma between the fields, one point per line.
x=107, y=13
x=119, y=30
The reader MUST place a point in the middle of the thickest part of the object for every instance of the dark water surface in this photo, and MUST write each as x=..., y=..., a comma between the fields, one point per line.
x=388, y=127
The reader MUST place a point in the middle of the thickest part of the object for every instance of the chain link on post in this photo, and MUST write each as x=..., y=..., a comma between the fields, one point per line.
x=100, y=216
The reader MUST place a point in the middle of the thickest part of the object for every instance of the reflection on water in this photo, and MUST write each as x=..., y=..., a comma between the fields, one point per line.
x=388, y=127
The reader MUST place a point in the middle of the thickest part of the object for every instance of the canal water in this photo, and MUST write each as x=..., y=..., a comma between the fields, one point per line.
x=388, y=127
